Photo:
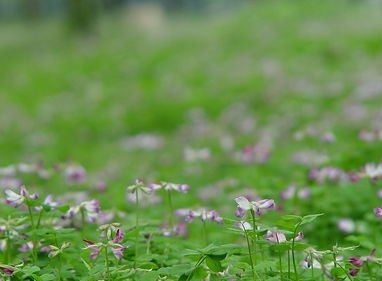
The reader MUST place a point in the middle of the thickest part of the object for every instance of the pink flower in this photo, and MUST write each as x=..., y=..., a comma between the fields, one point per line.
x=203, y=214
x=378, y=212
x=94, y=248
x=75, y=174
x=14, y=199
x=259, y=207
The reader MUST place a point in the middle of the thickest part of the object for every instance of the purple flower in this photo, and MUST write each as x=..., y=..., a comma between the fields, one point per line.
x=14, y=199
x=378, y=212
x=275, y=237
x=203, y=214
x=91, y=209
x=346, y=225
x=93, y=247
x=75, y=174
x=259, y=207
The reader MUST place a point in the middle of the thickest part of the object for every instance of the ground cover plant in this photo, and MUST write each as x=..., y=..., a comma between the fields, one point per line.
x=240, y=146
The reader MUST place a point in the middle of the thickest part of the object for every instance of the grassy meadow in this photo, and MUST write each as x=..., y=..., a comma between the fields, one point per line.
x=277, y=100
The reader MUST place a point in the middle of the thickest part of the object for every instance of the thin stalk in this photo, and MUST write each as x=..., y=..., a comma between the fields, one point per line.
x=39, y=218
x=59, y=258
x=171, y=210
x=293, y=253
x=200, y=261
x=288, y=264
x=369, y=271
x=254, y=238
x=280, y=262
x=7, y=249
x=250, y=253
x=107, y=264
x=136, y=226
x=34, y=249
x=204, y=231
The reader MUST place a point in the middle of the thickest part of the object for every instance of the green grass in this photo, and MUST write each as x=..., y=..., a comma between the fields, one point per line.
x=289, y=64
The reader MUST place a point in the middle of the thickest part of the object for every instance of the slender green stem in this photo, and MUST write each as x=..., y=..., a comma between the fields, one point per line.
x=369, y=271
x=39, y=218
x=254, y=238
x=288, y=264
x=312, y=270
x=293, y=252
x=171, y=210
x=107, y=264
x=136, y=226
x=334, y=258
x=280, y=262
x=200, y=261
x=59, y=277
x=82, y=211
x=204, y=230
x=7, y=249
x=34, y=249
x=250, y=253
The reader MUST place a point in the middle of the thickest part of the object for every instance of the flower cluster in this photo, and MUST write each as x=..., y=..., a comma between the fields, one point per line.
x=204, y=214
x=114, y=244
x=169, y=186
x=90, y=208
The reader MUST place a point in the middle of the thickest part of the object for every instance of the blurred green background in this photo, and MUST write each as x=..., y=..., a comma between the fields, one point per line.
x=127, y=86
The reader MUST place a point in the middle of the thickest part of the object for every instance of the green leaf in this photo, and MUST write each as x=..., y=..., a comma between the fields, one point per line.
x=214, y=264
x=309, y=218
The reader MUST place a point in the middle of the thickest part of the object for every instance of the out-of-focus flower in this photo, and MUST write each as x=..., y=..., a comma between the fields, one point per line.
x=243, y=225
x=75, y=173
x=373, y=171
x=346, y=225
x=291, y=191
x=203, y=214
x=328, y=174
x=90, y=208
x=259, y=207
x=16, y=199
x=278, y=237
x=258, y=153
x=179, y=229
x=194, y=155
x=378, y=212
x=169, y=186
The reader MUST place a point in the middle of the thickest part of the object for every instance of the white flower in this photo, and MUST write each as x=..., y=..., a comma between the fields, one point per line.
x=257, y=206
x=373, y=171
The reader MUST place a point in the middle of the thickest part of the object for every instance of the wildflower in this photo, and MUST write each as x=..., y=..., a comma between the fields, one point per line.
x=90, y=208
x=138, y=186
x=292, y=191
x=54, y=250
x=373, y=171
x=258, y=207
x=378, y=212
x=169, y=186
x=14, y=199
x=75, y=173
x=346, y=225
x=203, y=214
x=178, y=229
x=243, y=225
x=114, y=244
x=278, y=237
x=95, y=248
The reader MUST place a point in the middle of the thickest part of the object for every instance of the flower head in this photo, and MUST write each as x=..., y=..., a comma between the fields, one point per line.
x=168, y=186
x=204, y=214
x=16, y=199
x=259, y=207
